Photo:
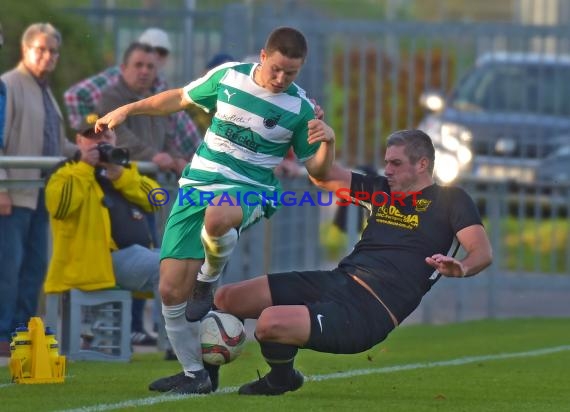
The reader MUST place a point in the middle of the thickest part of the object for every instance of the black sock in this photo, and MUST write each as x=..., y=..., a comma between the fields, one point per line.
x=211, y=368
x=280, y=358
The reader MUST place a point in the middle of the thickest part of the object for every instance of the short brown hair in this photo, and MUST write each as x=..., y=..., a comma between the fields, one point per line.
x=288, y=41
x=417, y=145
x=147, y=48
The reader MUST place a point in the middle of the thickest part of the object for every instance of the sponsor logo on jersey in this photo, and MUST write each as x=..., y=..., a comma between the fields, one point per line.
x=242, y=136
x=234, y=118
x=391, y=215
x=271, y=122
x=319, y=319
x=422, y=205
x=227, y=93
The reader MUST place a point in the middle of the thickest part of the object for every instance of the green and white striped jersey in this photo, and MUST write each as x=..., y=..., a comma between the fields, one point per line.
x=250, y=133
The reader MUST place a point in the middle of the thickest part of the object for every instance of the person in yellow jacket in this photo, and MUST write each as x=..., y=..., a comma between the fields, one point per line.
x=97, y=206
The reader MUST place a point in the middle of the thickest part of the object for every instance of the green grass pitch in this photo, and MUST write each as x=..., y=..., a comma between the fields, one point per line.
x=492, y=365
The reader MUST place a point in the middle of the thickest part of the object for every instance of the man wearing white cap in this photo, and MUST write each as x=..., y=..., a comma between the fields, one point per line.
x=83, y=97
x=159, y=41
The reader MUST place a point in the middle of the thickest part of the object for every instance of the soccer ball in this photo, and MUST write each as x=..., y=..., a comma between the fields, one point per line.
x=222, y=336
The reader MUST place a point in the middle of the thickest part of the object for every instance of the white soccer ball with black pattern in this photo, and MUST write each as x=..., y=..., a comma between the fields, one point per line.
x=222, y=336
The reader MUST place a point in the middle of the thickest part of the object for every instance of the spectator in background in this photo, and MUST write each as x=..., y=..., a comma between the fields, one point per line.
x=144, y=136
x=83, y=97
x=118, y=249
x=159, y=41
x=218, y=59
x=33, y=127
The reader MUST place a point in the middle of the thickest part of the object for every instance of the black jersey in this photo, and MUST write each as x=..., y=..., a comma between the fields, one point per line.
x=400, y=233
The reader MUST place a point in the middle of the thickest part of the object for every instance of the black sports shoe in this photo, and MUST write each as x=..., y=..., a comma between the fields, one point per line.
x=142, y=338
x=201, y=301
x=214, y=372
x=182, y=384
x=262, y=386
x=166, y=384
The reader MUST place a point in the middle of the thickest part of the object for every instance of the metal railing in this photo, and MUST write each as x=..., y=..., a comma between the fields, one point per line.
x=271, y=245
x=511, y=287
x=45, y=163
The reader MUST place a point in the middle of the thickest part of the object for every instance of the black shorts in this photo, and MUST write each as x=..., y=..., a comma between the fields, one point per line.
x=345, y=317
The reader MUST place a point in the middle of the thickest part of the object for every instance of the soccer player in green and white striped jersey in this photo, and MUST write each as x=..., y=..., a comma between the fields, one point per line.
x=251, y=131
x=260, y=114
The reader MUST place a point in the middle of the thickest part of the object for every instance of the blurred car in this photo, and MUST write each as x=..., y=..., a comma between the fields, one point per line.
x=503, y=120
x=555, y=168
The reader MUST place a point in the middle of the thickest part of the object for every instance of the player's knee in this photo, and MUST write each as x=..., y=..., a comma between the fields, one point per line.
x=223, y=298
x=171, y=294
x=218, y=222
x=268, y=328
x=214, y=223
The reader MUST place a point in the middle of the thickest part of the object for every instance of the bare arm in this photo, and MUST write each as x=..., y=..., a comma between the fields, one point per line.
x=479, y=254
x=160, y=104
x=337, y=177
x=319, y=165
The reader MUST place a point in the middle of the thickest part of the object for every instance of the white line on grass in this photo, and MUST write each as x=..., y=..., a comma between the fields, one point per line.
x=425, y=365
x=339, y=375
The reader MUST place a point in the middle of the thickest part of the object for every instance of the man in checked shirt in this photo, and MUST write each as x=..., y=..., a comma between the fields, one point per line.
x=83, y=97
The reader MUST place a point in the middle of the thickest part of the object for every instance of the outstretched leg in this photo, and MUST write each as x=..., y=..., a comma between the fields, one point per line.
x=245, y=299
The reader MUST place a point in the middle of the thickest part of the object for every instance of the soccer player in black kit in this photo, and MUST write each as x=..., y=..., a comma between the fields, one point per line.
x=407, y=245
